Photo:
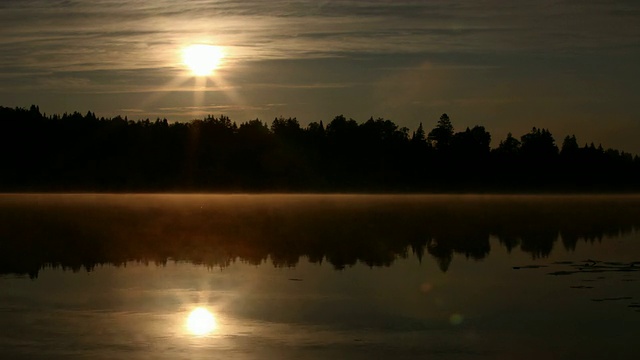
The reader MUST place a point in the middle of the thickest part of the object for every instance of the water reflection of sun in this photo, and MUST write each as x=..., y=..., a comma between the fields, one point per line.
x=201, y=322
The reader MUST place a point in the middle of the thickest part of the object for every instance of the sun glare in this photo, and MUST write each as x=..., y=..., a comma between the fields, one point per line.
x=201, y=322
x=203, y=60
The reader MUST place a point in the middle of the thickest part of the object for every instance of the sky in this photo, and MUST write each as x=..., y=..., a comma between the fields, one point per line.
x=569, y=66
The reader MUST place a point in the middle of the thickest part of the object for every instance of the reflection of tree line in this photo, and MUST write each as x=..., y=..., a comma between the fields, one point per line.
x=340, y=230
x=83, y=152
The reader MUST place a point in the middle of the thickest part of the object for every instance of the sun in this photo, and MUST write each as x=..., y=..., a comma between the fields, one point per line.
x=201, y=322
x=203, y=60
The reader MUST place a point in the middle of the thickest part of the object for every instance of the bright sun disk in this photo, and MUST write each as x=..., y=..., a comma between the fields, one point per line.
x=201, y=322
x=202, y=59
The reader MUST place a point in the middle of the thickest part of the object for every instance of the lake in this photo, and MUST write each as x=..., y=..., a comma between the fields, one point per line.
x=87, y=276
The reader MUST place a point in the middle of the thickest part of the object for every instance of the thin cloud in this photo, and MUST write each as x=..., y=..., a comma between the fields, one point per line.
x=145, y=34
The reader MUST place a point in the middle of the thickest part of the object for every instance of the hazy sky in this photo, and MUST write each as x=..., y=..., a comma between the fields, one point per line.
x=571, y=66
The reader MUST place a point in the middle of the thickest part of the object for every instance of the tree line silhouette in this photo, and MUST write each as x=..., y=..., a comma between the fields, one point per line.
x=82, y=231
x=75, y=152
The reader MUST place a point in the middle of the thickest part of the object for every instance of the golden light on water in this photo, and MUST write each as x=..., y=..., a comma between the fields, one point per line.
x=201, y=322
x=201, y=59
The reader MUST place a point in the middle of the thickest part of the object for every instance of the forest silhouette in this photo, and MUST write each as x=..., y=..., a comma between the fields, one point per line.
x=75, y=152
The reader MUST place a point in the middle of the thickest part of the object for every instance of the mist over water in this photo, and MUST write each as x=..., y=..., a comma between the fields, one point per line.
x=74, y=231
x=316, y=276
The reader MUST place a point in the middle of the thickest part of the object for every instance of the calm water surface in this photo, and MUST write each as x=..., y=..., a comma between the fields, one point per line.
x=319, y=276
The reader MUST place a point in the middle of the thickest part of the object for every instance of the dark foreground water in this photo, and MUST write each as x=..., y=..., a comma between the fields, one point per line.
x=317, y=277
